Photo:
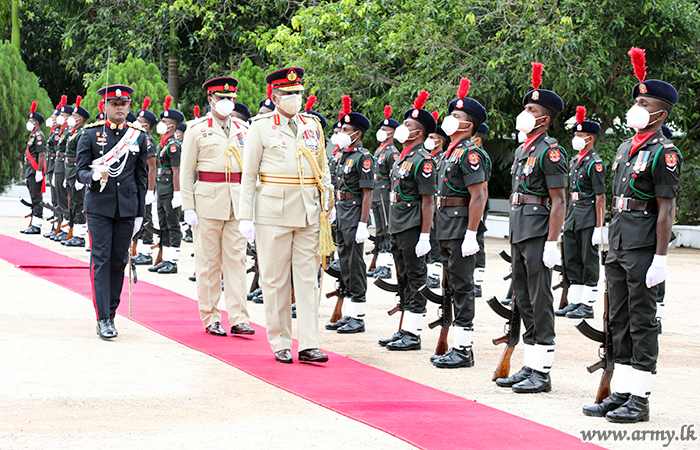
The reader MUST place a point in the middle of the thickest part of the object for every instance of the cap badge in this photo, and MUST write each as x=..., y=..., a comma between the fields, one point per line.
x=165, y=113
x=579, y=127
x=386, y=121
x=226, y=87
x=414, y=114
x=643, y=88
x=460, y=103
x=118, y=92
x=292, y=76
x=536, y=95
x=347, y=119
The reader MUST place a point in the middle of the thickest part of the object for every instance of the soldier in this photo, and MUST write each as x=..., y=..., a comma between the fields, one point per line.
x=539, y=173
x=410, y=220
x=212, y=148
x=353, y=189
x=584, y=220
x=60, y=170
x=51, y=143
x=286, y=150
x=168, y=187
x=147, y=121
x=240, y=112
x=384, y=159
x=266, y=106
x=76, y=194
x=435, y=145
x=34, y=168
x=112, y=164
x=646, y=175
x=480, y=270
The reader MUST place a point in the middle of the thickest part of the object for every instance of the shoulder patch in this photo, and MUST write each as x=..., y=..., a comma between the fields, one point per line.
x=367, y=164
x=599, y=167
x=554, y=154
x=395, y=155
x=95, y=124
x=173, y=148
x=427, y=168
x=671, y=160
x=473, y=158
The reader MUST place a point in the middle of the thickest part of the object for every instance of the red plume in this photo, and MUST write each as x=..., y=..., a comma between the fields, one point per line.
x=146, y=103
x=537, y=74
x=347, y=106
x=310, y=102
x=435, y=114
x=62, y=103
x=638, y=63
x=419, y=103
x=196, y=111
x=269, y=91
x=463, y=90
x=32, y=109
x=580, y=114
x=387, y=111
x=101, y=106
x=78, y=101
x=168, y=101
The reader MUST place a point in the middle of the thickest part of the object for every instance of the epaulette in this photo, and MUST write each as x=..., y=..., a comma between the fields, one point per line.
x=197, y=120
x=242, y=123
x=262, y=116
x=551, y=141
x=94, y=124
x=129, y=124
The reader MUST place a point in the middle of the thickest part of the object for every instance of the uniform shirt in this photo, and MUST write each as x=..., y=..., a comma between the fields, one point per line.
x=354, y=174
x=586, y=179
x=651, y=171
x=169, y=152
x=411, y=177
x=59, y=163
x=72, y=149
x=35, y=144
x=536, y=169
x=51, y=148
x=384, y=159
x=333, y=162
x=460, y=167
x=63, y=141
x=152, y=149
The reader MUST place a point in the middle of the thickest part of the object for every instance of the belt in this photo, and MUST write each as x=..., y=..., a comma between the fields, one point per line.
x=378, y=177
x=577, y=196
x=452, y=201
x=632, y=204
x=70, y=160
x=344, y=195
x=286, y=180
x=522, y=199
x=219, y=177
x=164, y=171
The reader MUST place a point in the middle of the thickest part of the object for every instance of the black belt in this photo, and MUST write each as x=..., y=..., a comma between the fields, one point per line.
x=522, y=199
x=344, y=195
x=632, y=204
x=443, y=202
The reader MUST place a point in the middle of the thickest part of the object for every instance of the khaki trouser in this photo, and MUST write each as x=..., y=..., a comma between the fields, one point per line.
x=281, y=251
x=220, y=247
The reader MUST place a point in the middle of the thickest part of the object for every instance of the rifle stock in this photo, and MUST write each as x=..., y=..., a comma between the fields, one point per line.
x=373, y=264
x=441, y=347
x=604, y=386
x=503, y=368
x=337, y=310
x=511, y=338
x=394, y=310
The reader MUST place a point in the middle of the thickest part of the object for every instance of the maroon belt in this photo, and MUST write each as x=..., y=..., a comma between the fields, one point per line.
x=344, y=195
x=522, y=199
x=70, y=159
x=632, y=204
x=452, y=201
x=219, y=177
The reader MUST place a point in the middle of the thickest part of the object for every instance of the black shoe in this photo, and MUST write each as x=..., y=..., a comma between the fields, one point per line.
x=142, y=260
x=567, y=309
x=187, y=238
x=255, y=293
x=394, y=337
x=157, y=267
x=432, y=282
x=168, y=267
x=75, y=241
x=455, y=358
x=352, y=326
x=258, y=299
x=582, y=312
x=192, y=278
x=62, y=236
x=335, y=264
x=49, y=234
x=294, y=310
x=105, y=329
x=382, y=272
x=635, y=409
x=517, y=377
x=408, y=341
x=369, y=273
x=611, y=403
x=335, y=325
x=506, y=301
x=31, y=230
x=477, y=291
x=537, y=382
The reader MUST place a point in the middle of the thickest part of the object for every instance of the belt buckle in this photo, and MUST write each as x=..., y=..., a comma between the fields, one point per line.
x=438, y=201
x=337, y=195
x=620, y=205
x=392, y=197
x=514, y=198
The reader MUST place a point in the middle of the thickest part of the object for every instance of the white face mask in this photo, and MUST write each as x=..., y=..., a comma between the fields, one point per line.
x=344, y=140
x=71, y=121
x=290, y=104
x=525, y=122
x=430, y=144
x=162, y=128
x=49, y=122
x=224, y=107
x=450, y=125
x=402, y=133
x=30, y=126
x=578, y=143
x=382, y=135
x=61, y=120
x=334, y=139
x=639, y=118
x=521, y=137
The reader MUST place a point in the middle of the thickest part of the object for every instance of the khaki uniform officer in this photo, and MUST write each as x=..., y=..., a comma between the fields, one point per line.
x=212, y=147
x=285, y=150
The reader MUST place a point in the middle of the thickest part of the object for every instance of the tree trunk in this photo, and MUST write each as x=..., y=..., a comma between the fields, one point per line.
x=174, y=65
x=15, y=24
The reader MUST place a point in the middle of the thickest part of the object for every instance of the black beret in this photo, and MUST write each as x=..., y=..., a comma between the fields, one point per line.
x=656, y=89
x=131, y=117
x=469, y=106
x=483, y=129
x=171, y=114
x=587, y=126
x=241, y=108
x=182, y=127
x=68, y=109
x=545, y=98
x=36, y=116
x=356, y=120
x=82, y=112
x=267, y=103
x=423, y=117
x=441, y=132
x=393, y=123
x=666, y=131
x=148, y=115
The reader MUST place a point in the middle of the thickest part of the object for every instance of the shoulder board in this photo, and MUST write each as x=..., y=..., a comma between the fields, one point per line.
x=424, y=153
x=262, y=116
x=94, y=124
x=197, y=120
x=129, y=124
x=240, y=122
x=552, y=142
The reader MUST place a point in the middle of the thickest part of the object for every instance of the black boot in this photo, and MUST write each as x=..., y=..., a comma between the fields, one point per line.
x=105, y=329
x=369, y=273
x=157, y=267
x=636, y=409
x=168, y=267
x=192, y=278
x=382, y=272
x=582, y=312
x=335, y=325
x=517, y=377
x=75, y=241
x=395, y=336
x=537, y=382
x=432, y=282
x=33, y=229
x=352, y=326
x=454, y=358
x=611, y=403
x=142, y=260
x=258, y=299
x=255, y=293
x=477, y=291
x=408, y=341
x=567, y=309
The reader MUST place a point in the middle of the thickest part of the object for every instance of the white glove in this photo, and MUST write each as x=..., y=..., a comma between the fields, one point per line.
x=247, y=229
x=53, y=180
x=551, y=255
x=177, y=200
x=65, y=183
x=597, y=236
x=332, y=215
x=362, y=234
x=78, y=185
x=423, y=245
x=190, y=216
x=657, y=271
x=469, y=245
x=99, y=171
x=150, y=197
x=137, y=225
x=38, y=176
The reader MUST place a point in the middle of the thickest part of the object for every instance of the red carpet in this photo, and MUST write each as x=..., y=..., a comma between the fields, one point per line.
x=427, y=418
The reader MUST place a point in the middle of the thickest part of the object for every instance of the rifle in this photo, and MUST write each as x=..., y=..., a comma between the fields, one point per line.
x=59, y=213
x=511, y=336
x=564, y=285
x=338, y=309
x=375, y=252
x=396, y=289
x=445, y=319
x=605, y=339
x=252, y=251
x=149, y=226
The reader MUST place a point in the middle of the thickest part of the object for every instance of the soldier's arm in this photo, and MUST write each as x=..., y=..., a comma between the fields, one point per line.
x=188, y=165
x=84, y=160
x=252, y=155
x=151, y=162
x=477, y=203
x=367, y=185
x=667, y=212
x=141, y=174
x=175, y=158
x=666, y=182
x=40, y=143
x=557, y=214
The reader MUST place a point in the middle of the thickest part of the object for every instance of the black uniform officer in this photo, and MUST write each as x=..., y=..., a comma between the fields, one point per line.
x=646, y=175
x=461, y=202
x=479, y=139
x=112, y=164
x=435, y=144
x=35, y=167
x=168, y=187
x=76, y=193
x=148, y=121
x=353, y=187
x=410, y=220
x=60, y=170
x=539, y=173
x=384, y=159
x=584, y=220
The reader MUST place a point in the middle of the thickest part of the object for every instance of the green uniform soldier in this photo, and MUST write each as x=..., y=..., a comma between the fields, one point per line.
x=147, y=120
x=435, y=144
x=480, y=271
x=54, y=128
x=35, y=167
x=76, y=194
x=60, y=170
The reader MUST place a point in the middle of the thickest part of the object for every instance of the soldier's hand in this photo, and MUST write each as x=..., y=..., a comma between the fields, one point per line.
x=551, y=255
x=470, y=246
x=150, y=197
x=657, y=271
x=190, y=216
x=53, y=180
x=362, y=234
x=78, y=185
x=247, y=229
x=332, y=215
x=65, y=183
x=38, y=176
x=597, y=236
x=100, y=171
x=423, y=245
x=137, y=226
x=176, y=202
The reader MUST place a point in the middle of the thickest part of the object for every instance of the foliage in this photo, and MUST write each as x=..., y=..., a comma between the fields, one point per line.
x=251, y=84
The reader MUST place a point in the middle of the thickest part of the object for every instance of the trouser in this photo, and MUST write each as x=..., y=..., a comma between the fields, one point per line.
x=460, y=274
x=54, y=191
x=169, y=221
x=147, y=236
x=352, y=265
x=220, y=248
x=382, y=243
x=61, y=192
x=109, y=254
x=481, y=254
x=410, y=269
x=633, y=324
x=77, y=199
x=282, y=250
x=34, y=189
x=532, y=287
x=580, y=257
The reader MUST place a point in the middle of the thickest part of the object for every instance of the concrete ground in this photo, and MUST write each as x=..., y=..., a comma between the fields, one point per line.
x=62, y=387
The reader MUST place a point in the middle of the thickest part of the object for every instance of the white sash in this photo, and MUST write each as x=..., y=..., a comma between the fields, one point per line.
x=120, y=149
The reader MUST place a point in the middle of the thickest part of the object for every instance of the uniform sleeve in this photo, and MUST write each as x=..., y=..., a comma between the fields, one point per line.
x=366, y=173
x=425, y=177
x=84, y=160
x=40, y=143
x=667, y=172
x=598, y=177
x=473, y=168
x=252, y=155
x=187, y=168
x=151, y=147
x=141, y=174
x=174, y=151
x=554, y=167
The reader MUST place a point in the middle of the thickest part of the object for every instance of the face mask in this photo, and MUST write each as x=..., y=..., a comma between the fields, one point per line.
x=30, y=126
x=162, y=128
x=578, y=143
x=71, y=121
x=61, y=120
x=382, y=135
x=224, y=107
x=639, y=118
x=429, y=144
x=290, y=104
x=450, y=125
x=402, y=133
x=521, y=137
x=344, y=140
x=334, y=139
x=525, y=122
x=49, y=122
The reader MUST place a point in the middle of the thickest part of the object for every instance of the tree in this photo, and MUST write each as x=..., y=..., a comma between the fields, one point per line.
x=251, y=84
